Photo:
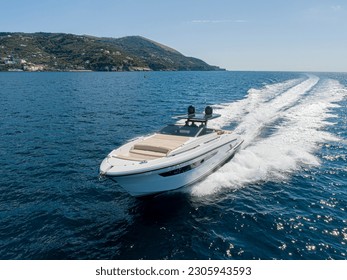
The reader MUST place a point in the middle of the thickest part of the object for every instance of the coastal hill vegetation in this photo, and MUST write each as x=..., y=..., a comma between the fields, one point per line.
x=69, y=52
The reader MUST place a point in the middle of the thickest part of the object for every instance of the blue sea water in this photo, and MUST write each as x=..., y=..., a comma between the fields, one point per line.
x=283, y=196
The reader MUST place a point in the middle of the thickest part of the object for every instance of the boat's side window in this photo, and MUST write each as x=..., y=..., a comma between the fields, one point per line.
x=187, y=167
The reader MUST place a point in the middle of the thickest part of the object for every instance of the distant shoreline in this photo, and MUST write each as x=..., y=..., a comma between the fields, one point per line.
x=46, y=52
x=143, y=71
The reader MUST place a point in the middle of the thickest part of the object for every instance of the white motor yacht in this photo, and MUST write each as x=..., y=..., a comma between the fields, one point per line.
x=177, y=156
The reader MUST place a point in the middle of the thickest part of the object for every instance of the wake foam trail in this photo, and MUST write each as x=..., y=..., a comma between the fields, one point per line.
x=255, y=97
x=296, y=112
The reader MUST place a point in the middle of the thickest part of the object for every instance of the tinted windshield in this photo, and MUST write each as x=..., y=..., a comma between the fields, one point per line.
x=185, y=130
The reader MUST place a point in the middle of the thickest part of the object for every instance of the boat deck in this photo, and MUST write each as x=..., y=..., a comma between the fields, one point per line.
x=156, y=146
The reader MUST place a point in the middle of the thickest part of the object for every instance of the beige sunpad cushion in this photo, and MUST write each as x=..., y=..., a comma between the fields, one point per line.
x=156, y=146
x=161, y=143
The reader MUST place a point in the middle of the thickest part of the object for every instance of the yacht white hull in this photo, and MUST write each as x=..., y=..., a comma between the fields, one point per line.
x=178, y=175
x=177, y=156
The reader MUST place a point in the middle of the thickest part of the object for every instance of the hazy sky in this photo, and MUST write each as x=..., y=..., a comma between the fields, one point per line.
x=302, y=35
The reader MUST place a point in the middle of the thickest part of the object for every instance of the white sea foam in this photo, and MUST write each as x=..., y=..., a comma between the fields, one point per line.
x=296, y=111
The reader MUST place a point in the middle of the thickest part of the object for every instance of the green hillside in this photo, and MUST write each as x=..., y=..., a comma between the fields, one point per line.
x=68, y=52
